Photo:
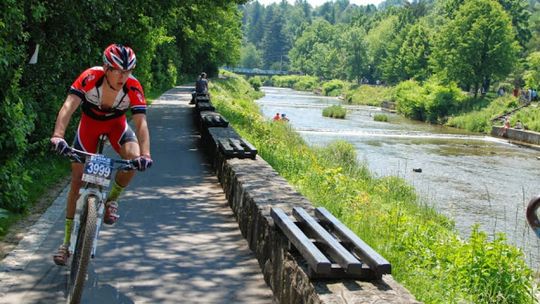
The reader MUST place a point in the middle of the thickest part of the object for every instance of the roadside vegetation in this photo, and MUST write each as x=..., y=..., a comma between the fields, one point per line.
x=426, y=253
x=32, y=94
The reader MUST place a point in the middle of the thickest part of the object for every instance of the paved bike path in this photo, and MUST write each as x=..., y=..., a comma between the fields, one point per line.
x=176, y=241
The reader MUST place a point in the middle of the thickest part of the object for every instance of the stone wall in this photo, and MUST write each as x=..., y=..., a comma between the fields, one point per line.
x=524, y=136
x=252, y=188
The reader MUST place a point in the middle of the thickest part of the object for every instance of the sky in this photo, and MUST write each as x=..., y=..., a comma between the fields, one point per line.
x=315, y=3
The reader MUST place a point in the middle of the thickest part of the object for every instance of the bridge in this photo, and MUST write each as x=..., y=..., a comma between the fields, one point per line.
x=258, y=72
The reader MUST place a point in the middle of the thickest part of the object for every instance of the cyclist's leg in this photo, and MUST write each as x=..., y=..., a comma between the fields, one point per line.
x=85, y=139
x=125, y=143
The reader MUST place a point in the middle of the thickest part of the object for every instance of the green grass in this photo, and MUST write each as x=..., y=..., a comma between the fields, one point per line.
x=479, y=120
x=368, y=95
x=334, y=111
x=380, y=117
x=427, y=254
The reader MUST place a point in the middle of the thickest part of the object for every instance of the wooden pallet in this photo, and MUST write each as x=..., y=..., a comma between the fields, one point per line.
x=211, y=119
x=236, y=147
x=331, y=250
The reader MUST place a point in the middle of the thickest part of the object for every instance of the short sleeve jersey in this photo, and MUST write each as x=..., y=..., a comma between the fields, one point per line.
x=89, y=87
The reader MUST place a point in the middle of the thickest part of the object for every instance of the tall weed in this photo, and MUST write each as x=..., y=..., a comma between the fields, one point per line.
x=426, y=253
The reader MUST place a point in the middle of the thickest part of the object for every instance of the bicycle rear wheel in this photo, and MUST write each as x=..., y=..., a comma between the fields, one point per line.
x=83, y=250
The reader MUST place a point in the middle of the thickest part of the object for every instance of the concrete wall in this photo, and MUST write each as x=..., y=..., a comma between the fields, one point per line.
x=252, y=188
x=519, y=135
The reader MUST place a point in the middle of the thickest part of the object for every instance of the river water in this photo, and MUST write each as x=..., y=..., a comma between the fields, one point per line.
x=469, y=177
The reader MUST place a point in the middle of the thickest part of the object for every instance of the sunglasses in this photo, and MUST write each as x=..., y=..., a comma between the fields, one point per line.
x=120, y=72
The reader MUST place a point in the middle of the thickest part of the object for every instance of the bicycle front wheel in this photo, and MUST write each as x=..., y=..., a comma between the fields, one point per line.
x=83, y=250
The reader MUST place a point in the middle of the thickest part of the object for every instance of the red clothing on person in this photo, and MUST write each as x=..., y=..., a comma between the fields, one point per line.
x=96, y=120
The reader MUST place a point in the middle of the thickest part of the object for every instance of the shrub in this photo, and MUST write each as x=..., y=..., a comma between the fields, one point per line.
x=255, y=82
x=380, y=117
x=335, y=111
x=368, y=94
x=297, y=82
x=334, y=87
x=410, y=101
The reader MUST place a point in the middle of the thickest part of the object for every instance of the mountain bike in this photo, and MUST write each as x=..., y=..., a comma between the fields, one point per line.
x=97, y=174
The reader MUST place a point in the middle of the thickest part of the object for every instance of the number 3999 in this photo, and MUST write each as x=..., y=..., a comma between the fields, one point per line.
x=99, y=169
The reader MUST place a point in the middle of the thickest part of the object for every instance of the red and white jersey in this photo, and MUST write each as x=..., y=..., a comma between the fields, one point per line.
x=89, y=87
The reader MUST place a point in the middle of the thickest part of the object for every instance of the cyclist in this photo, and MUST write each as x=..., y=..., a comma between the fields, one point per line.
x=104, y=93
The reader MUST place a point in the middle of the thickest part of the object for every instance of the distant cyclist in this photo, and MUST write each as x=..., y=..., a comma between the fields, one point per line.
x=104, y=93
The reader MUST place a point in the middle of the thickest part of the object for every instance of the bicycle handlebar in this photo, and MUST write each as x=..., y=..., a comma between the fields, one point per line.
x=124, y=164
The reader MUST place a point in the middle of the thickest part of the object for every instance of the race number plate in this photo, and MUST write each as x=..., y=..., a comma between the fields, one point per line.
x=98, y=170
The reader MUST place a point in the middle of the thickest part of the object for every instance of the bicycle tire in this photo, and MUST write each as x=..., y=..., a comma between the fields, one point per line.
x=83, y=250
x=532, y=216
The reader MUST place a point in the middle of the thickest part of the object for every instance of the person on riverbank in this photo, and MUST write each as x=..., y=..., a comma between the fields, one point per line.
x=276, y=117
x=505, y=127
x=284, y=117
x=201, y=87
x=519, y=125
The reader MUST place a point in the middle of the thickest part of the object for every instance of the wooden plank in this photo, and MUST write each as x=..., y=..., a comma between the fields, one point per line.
x=369, y=256
x=235, y=143
x=225, y=147
x=248, y=144
x=339, y=253
x=316, y=260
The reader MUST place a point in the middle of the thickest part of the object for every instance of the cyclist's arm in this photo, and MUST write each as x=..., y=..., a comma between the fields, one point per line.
x=71, y=104
x=143, y=135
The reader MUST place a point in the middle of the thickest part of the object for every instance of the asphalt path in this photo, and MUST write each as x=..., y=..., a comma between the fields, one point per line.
x=176, y=240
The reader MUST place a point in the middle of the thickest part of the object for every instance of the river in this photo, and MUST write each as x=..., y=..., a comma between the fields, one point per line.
x=469, y=177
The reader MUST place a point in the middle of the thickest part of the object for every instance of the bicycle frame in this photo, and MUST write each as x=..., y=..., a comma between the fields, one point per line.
x=84, y=192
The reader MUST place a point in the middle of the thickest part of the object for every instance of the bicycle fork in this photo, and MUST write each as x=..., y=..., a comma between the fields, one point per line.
x=81, y=204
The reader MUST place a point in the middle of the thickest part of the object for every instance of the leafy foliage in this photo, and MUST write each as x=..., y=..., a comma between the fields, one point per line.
x=477, y=46
x=431, y=102
x=427, y=255
x=334, y=87
x=171, y=39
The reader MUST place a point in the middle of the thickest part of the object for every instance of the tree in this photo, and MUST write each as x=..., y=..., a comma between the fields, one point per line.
x=532, y=75
x=254, y=22
x=355, y=50
x=534, y=27
x=379, y=40
x=415, y=51
x=476, y=47
x=519, y=13
x=275, y=43
x=516, y=9
x=250, y=57
x=319, y=33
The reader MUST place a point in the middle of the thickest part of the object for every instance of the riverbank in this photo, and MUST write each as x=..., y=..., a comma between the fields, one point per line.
x=428, y=256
